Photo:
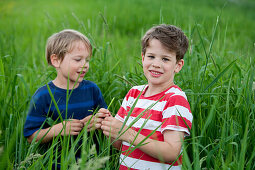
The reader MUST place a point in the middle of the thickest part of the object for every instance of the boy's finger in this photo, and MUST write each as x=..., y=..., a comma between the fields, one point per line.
x=103, y=127
x=103, y=110
x=110, y=118
x=109, y=114
x=106, y=118
x=98, y=125
x=89, y=125
x=74, y=133
x=106, y=133
x=85, y=119
x=95, y=126
x=100, y=114
x=74, y=120
x=76, y=129
x=106, y=128
x=98, y=120
x=80, y=125
x=104, y=122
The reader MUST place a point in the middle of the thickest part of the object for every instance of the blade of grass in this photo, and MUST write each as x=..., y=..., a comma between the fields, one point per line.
x=219, y=75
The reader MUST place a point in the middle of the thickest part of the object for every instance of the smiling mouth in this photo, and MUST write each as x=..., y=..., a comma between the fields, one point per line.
x=155, y=73
x=82, y=73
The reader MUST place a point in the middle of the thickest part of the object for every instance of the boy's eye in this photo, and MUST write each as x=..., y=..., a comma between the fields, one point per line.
x=151, y=57
x=87, y=60
x=77, y=59
x=165, y=59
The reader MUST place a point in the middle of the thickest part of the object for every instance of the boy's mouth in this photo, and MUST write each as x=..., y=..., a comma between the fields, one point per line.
x=82, y=73
x=155, y=73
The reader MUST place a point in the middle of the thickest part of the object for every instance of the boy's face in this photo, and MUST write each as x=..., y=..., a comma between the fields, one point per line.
x=75, y=64
x=160, y=65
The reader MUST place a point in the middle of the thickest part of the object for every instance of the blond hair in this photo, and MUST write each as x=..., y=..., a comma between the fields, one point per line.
x=61, y=43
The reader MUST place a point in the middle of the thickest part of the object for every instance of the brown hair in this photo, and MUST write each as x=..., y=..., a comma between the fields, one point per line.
x=61, y=43
x=170, y=36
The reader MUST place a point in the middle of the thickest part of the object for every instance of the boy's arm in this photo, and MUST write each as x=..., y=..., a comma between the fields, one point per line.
x=117, y=144
x=167, y=150
x=73, y=127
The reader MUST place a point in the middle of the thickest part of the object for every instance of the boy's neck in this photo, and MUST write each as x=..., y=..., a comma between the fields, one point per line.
x=63, y=85
x=153, y=89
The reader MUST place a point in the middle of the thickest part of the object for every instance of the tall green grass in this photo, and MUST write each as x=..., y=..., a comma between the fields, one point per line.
x=217, y=77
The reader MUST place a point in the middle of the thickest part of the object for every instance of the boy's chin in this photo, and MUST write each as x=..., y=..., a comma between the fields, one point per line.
x=80, y=79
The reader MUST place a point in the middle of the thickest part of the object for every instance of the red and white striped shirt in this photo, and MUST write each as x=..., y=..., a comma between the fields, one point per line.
x=164, y=115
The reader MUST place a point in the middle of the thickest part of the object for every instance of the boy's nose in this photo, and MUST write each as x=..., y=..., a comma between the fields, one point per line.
x=155, y=64
x=84, y=63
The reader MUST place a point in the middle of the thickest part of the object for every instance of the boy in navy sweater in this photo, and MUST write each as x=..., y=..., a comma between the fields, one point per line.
x=69, y=52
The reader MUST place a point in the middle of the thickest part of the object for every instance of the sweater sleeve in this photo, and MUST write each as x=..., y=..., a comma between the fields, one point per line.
x=99, y=99
x=36, y=115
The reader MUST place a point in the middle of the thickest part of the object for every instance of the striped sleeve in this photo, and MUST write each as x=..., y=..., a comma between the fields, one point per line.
x=128, y=102
x=177, y=115
x=122, y=111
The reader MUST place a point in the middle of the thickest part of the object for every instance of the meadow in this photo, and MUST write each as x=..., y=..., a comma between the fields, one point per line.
x=218, y=75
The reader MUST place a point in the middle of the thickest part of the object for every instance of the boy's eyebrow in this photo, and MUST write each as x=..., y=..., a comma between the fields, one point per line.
x=170, y=56
x=80, y=56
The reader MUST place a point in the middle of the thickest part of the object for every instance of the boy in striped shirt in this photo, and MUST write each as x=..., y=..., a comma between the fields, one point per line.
x=169, y=114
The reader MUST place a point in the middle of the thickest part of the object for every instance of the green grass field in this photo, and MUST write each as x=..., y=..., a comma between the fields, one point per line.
x=218, y=75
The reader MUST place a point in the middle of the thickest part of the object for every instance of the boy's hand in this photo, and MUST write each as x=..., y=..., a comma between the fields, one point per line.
x=95, y=122
x=106, y=112
x=111, y=127
x=73, y=127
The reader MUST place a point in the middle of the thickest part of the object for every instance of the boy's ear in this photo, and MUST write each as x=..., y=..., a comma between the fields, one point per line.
x=179, y=66
x=142, y=56
x=55, y=61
